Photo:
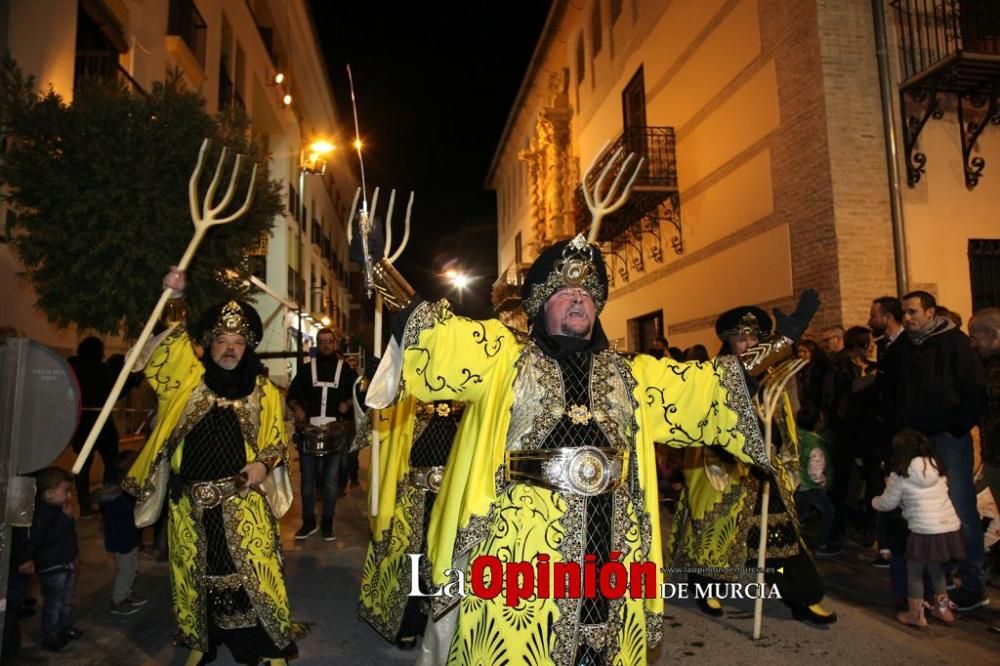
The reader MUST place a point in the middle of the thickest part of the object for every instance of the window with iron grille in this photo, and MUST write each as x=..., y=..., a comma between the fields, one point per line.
x=984, y=272
x=643, y=330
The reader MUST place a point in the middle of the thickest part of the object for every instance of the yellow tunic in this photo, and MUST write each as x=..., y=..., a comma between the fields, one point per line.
x=250, y=522
x=398, y=527
x=716, y=510
x=516, y=398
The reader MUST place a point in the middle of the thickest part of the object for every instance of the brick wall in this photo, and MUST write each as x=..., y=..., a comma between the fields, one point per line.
x=803, y=194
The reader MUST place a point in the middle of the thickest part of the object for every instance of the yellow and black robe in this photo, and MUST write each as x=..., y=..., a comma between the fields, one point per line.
x=716, y=529
x=414, y=436
x=249, y=522
x=515, y=397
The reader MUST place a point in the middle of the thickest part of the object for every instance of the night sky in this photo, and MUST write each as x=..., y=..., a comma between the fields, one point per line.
x=434, y=83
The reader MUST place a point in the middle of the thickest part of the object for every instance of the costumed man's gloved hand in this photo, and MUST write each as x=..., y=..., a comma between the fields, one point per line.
x=794, y=325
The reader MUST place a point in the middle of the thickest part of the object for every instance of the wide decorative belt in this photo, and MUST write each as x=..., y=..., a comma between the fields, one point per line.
x=210, y=494
x=585, y=470
x=428, y=478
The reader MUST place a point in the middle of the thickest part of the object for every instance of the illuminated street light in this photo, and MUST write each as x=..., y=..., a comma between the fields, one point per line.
x=321, y=147
x=357, y=144
x=461, y=281
x=279, y=78
x=316, y=152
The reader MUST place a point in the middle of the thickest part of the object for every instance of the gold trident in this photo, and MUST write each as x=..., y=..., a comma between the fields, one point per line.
x=203, y=216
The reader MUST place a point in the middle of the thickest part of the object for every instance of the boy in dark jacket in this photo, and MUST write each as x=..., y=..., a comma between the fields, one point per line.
x=55, y=550
x=121, y=537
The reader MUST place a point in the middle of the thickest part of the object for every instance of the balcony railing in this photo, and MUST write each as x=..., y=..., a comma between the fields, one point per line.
x=657, y=178
x=185, y=21
x=948, y=47
x=655, y=198
x=934, y=31
x=103, y=65
x=507, y=288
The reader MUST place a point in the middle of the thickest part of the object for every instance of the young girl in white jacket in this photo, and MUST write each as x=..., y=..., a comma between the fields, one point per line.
x=918, y=486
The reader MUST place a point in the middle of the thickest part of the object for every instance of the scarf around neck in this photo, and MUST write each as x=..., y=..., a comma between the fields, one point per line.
x=935, y=326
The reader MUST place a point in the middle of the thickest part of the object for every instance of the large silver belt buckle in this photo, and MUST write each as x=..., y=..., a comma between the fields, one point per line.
x=584, y=471
x=433, y=478
x=427, y=477
x=206, y=495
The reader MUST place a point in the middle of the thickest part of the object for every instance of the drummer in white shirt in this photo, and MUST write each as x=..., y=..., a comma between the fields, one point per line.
x=320, y=399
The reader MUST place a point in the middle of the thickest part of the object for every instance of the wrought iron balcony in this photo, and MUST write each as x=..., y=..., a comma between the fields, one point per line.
x=655, y=198
x=185, y=21
x=506, y=291
x=948, y=47
x=103, y=65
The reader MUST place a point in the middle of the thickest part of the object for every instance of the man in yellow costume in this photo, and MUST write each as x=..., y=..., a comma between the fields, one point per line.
x=416, y=439
x=560, y=469
x=717, y=523
x=218, y=457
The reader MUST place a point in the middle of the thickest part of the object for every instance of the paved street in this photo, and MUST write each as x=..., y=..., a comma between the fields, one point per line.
x=324, y=578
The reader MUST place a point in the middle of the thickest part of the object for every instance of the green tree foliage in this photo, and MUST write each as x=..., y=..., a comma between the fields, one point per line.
x=100, y=192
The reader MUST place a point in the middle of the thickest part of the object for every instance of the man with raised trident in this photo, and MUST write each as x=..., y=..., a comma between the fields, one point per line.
x=218, y=456
x=557, y=478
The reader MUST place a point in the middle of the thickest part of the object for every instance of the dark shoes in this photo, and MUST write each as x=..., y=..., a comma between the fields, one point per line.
x=55, y=643
x=967, y=600
x=128, y=607
x=328, y=533
x=71, y=633
x=307, y=530
x=406, y=644
x=829, y=550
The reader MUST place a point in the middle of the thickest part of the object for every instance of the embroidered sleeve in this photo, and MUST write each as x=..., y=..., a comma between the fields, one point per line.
x=170, y=362
x=447, y=357
x=700, y=404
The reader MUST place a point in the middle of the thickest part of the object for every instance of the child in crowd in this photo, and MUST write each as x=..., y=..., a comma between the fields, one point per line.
x=815, y=477
x=919, y=486
x=121, y=537
x=55, y=551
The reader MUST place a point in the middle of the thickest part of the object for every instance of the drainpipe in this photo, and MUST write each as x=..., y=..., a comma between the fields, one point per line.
x=891, y=152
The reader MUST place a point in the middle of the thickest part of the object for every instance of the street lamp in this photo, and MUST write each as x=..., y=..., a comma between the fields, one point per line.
x=459, y=281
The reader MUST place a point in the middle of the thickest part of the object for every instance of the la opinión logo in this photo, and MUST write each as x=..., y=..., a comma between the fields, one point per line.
x=489, y=577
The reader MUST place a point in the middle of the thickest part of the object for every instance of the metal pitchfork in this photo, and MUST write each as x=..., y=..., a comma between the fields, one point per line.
x=203, y=217
x=773, y=392
x=364, y=226
x=614, y=199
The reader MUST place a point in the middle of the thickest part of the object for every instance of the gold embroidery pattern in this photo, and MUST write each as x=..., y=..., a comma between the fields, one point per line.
x=555, y=281
x=423, y=317
x=385, y=581
x=739, y=401
x=579, y=414
x=186, y=539
x=726, y=525
x=254, y=556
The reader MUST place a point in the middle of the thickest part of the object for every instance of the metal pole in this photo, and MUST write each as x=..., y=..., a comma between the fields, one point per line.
x=11, y=395
x=891, y=151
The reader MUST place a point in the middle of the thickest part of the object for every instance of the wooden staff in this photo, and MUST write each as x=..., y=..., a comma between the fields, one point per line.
x=773, y=392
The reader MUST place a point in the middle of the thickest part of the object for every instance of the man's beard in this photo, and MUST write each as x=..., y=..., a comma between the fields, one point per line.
x=228, y=362
x=566, y=329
